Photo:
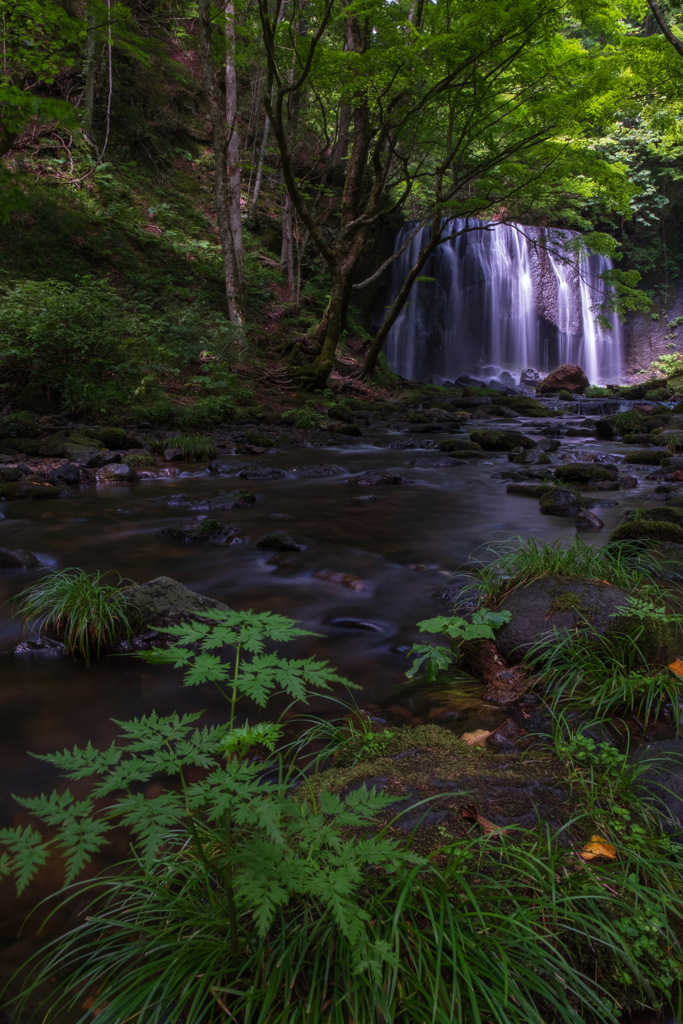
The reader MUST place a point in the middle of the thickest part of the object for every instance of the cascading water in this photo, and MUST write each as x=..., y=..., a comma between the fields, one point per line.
x=501, y=294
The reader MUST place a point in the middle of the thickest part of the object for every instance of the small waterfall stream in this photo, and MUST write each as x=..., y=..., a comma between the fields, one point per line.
x=502, y=297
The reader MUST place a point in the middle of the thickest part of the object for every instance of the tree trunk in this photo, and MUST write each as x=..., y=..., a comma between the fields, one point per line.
x=234, y=182
x=90, y=65
x=287, y=253
x=217, y=111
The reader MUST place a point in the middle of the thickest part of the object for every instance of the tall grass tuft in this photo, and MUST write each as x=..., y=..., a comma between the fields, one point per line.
x=520, y=561
x=195, y=446
x=86, y=612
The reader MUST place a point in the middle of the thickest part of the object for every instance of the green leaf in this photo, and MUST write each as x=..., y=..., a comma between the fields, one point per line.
x=29, y=852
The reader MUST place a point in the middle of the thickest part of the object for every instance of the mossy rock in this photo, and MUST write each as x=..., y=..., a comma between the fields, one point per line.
x=647, y=529
x=648, y=458
x=18, y=491
x=139, y=459
x=636, y=438
x=582, y=473
x=528, y=490
x=604, y=428
x=21, y=446
x=110, y=437
x=565, y=606
x=453, y=444
x=665, y=514
x=501, y=440
x=557, y=501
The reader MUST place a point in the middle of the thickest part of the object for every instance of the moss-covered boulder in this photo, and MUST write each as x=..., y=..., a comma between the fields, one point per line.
x=582, y=473
x=557, y=501
x=501, y=440
x=553, y=608
x=453, y=444
x=528, y=490
x=648, y=529
x=652, y=457
x=165, y=602
x=663, y=514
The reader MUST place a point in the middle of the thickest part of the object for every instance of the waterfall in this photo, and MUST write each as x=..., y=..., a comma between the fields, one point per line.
x=501, y=297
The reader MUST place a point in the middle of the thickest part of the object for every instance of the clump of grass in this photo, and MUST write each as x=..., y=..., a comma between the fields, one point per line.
x=521, y=561
x=83, y=610
x=195, y=446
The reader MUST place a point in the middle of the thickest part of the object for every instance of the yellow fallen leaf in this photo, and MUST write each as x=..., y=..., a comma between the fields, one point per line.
x=677, y=667
x=598, y=848
x=477, y=738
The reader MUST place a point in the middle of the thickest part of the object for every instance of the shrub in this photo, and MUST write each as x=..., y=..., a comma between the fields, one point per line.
x=91, y=347
x=80, y=608
x=593, y=391
x=18, y=424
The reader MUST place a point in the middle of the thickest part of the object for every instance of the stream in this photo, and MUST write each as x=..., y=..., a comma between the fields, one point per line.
x=405, y=544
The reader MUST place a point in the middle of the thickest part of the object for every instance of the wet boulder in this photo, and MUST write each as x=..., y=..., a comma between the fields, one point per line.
x=18, y=559
x=240, y=498
x=200, y=530
x=379, y=478
x=68, y=475
x=568, y=377
x=165, y=602
x=8, y=474
x=444, y=461
x=529, y=458
x=546, y=444
x=554, y=607
x=560, y=502
x=651, y=457
x=318, y=469
x=224, y=468
x=257, y=472
x=116, y=473
x=279, y=541
x=501, y=440
x=86, y=457
x=587, y=520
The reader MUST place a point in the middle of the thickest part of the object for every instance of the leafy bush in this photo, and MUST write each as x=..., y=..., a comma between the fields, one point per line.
x=81, y=609
x=18, y=424
x=93, y=348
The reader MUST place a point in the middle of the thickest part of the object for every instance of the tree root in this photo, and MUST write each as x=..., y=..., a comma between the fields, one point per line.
x=503, y=683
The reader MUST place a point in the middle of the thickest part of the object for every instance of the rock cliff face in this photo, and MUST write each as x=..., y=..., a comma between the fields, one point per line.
x=648, y=335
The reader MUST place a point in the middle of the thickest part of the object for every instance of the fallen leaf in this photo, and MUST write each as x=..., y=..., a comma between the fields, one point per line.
x=470, y=813
x=477, y=738
x=598, y=848
x=677, y=667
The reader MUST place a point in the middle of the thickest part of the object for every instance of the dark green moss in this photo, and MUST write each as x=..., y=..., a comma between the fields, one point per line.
x=111, y=437
x=452, y=444
x=648, y=458
x=501, y=440
x=645, y=529
x=21, y=446
x=564, y=603
x=582, y=473
x=528, y=490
